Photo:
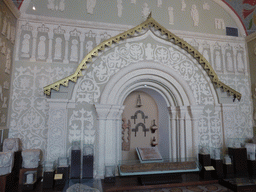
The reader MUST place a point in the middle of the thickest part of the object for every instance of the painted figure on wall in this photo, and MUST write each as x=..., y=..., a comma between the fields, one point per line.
x=171, y=16
x=50, y=4
x=240, y=62
x=218, y=61
x=25, y=46
x=159, y=3
x=41, y=48
x=229, y=62
x=57, y=54
x=195, y=15
x=206, y=55
x=183, y=5
x=62, y=5
x=74, y=51
x=89, y=46
x=90, y=6
x=145, y=10
x=119, y=8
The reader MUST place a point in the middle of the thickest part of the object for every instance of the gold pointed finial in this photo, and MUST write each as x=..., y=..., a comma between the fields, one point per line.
x=149, y=16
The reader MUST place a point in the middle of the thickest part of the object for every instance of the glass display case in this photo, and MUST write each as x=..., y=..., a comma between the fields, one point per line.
x=110, y=174
x=49, y=166
x=204, y=149
x=216, y=153
x=135, y=167
x=250, y=148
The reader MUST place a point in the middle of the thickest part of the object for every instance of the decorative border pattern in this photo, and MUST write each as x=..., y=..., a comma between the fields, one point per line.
x=150, y=22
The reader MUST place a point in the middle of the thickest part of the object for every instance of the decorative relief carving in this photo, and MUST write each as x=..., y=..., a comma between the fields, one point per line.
x=3, y=49
x=4, y=26
x=126, y=135
x=8, y=62
x=6, y=85
x=194, y=15
x=82, y=127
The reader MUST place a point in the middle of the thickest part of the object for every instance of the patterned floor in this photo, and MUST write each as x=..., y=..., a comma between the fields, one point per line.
x=201, y=188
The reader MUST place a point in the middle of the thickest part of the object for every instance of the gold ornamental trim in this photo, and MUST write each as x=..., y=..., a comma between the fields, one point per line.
x=150, y=22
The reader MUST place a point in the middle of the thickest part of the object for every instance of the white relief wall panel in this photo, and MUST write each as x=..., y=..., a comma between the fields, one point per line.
x=29, y=108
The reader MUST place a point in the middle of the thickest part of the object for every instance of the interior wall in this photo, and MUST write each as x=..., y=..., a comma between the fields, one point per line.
x=34, y=118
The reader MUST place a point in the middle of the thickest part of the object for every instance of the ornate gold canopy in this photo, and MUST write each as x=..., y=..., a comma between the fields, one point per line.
x=150, y=22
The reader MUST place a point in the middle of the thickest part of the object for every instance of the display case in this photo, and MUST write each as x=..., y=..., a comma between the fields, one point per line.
x=30, y=177
x=49, y=169
x=75, y=166
x=166, y=166
x=110, y=174
x=88, y=157
x=29, y=180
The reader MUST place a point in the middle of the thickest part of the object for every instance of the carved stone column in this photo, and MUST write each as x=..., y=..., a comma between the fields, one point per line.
x=195, y=112
x=57, y=129
x=173, y=132
x=109, y=136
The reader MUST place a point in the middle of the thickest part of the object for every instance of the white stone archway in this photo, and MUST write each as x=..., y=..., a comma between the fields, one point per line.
x=183, y=111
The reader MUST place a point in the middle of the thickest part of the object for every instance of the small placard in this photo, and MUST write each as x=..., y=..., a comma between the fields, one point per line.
x=58, y=176
x=209, y=168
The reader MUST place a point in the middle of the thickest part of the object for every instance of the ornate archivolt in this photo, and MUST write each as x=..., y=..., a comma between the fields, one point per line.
x=150, y=22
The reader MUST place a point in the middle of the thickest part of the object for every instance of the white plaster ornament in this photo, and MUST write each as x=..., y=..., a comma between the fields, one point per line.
x=6, y=162
x=11, y=144
x=31, y=158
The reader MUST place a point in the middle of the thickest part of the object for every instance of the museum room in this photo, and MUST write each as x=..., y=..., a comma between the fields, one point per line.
x=127, y=95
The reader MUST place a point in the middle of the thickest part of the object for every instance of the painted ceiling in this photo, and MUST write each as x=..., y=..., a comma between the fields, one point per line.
x=245, y=9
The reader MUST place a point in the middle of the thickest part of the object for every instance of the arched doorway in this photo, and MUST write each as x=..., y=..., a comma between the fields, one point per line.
x=175, y=92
